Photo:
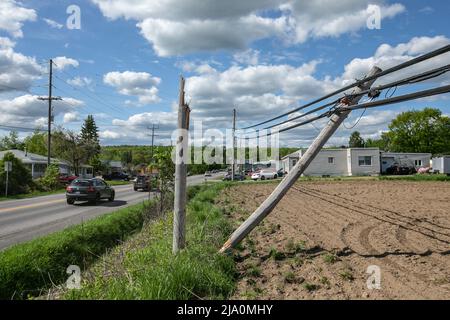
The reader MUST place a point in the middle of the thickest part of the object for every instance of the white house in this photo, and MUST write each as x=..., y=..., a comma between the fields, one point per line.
x=37, y=164
x=338, y=162
x=417, y=160
x=441, y=164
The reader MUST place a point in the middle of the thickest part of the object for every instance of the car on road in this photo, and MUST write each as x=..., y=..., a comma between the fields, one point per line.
x=116, y=176
x=237, y=177
x=66, y=179
x=208, y=174
x=143, y=182
x=92, y=190
x=264, y=175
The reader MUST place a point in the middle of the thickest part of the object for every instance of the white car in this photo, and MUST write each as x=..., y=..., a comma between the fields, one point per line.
x=264, y=175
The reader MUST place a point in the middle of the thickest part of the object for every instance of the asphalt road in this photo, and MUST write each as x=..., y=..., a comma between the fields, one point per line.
x=27, y=219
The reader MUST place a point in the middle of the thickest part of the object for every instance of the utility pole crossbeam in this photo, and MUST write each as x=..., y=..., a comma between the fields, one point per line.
x=50, y=99
x=269, y=204
x=233, y=161
x=179, y=219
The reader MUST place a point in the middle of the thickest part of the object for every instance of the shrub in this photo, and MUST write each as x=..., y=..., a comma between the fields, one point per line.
x=50, y=181
x=19, y=179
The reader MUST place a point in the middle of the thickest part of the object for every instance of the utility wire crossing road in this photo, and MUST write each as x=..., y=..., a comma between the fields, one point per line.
x=27, y=219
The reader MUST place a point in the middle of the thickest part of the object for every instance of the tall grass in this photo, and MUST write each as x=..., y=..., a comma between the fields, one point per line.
x=149, y=270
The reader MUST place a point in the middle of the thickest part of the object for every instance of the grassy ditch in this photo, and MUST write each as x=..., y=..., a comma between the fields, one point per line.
x=29, y=268
x=145, y=268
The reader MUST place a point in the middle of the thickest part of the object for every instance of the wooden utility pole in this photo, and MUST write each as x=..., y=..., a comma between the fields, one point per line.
x=233, y=161
x=269, y=204
x=152, y=160
x=179, y=220
x=50, y=99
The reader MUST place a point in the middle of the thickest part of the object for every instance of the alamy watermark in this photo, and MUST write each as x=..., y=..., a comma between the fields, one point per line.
x=374, y=280
x=73, y=22
x=214, y=146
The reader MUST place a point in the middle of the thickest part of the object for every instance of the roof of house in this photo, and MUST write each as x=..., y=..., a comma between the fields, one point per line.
x=29, y=158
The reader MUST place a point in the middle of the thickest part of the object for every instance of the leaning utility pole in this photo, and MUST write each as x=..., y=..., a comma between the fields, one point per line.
x=50, y=99
x=269, y=204
x=179, y=219
x=233, y=161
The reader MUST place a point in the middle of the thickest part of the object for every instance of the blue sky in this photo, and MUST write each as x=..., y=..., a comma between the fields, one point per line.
x=262, y=57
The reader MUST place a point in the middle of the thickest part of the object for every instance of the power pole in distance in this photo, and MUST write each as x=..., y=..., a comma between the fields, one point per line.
x=152, y=160
x=179, y=220
x=50, y=99
x=233, y=162
x=269, y=204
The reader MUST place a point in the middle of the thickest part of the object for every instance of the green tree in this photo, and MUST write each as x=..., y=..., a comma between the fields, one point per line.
x=37, y=143
x=11, y=142
x=356, y=141
x=20, y=180
x=426, y=131
x=70, y=147
x=90, y=138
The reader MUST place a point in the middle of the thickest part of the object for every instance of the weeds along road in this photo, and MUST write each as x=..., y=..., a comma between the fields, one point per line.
x=27, y=219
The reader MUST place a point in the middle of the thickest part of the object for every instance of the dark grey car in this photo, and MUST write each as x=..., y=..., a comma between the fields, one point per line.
x=92, y=190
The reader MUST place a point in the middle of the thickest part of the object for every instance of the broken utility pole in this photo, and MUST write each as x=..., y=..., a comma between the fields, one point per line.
x=179, y=219
x=269, y=204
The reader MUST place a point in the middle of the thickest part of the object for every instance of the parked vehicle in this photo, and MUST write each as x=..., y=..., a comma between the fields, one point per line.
x=92, y=190
x=400, y=170
x=264, y=175
x=116, y=176
x=237, y=177
x=143, y=182
x=208, y=174
x=281, y=173
x=66, y=179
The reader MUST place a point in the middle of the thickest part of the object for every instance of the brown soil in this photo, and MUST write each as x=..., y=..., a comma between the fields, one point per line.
x=322, y=237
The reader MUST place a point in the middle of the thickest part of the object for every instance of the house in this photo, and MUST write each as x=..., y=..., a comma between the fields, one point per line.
x=338, y=162
x=37, y=164
x=417, y=160
x=441, y=164
x=355, y=161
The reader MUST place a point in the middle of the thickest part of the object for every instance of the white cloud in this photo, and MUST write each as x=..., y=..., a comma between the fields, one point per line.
x=177, y=28
x=250, y=57
x=71, y=117
x=62, y=63
x=53, y=23
x=17, y=71
x=80, y=81
x=29, y=109
x=13, y=15
x=140, y=84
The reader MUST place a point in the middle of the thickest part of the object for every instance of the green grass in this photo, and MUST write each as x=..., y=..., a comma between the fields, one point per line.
x=149, y=270
x=417, y=177
x=33, y=194
x=118, y=183
x=27, y=268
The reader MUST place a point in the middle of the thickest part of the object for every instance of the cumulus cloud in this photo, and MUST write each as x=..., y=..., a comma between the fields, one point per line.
x=177, y=28
x=250, y=57
x=62, y=63
x=29, y=109
x=140, y=84
x=71, y=117
x=13, y=15
x=17, y=71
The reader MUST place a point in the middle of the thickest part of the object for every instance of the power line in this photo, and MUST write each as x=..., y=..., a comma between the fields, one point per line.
x=375, y=91
x=401, y=66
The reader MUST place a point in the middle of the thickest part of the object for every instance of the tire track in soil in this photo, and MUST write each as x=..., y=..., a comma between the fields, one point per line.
x=384, y=218
x=363, y=239
x=410, y=220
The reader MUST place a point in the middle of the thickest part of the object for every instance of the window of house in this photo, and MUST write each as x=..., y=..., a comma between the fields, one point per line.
x=365, y=161
x=330, y=160
x=294, y=162
x=418, y=163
